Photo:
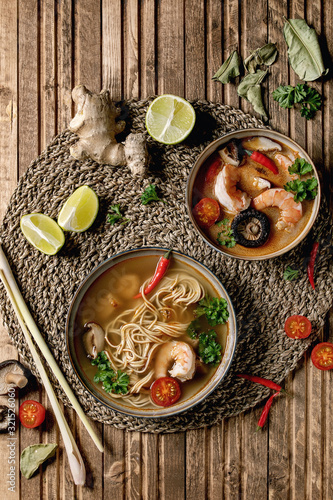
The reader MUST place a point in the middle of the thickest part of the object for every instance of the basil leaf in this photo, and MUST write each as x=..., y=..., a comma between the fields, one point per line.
x=33, y=456
x=264, y=55
x=303, y=50
x=229, y=69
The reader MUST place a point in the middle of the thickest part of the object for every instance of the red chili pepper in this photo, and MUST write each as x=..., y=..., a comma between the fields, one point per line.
x=160, y=271
x=311, y=264
x=262, y=381
x=264, y=415
x=263, y=160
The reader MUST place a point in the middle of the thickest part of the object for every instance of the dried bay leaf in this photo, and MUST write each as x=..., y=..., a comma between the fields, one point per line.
x=303, y=50
x=250, y=89
x=264, y=55
x=33, y=456
x=229, y=69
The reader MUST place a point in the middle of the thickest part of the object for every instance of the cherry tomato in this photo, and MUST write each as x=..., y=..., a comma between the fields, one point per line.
x=165, y=391
x=322, y=356
x=206, y=212
x=297, y=327
x=31, y=413
x=215, y=164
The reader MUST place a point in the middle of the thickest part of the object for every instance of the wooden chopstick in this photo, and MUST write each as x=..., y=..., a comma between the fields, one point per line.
x=32, y=327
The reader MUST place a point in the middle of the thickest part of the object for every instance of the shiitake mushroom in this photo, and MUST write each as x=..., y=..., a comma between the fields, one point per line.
x=251, y=228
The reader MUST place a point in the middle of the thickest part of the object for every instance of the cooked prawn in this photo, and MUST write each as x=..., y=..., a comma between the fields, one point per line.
x=181, y=355
x=232, y=199
x=291, y=212
x=285, y=162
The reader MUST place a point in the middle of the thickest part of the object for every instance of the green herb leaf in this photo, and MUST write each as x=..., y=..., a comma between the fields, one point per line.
x=300, y=167
x=149, y=195
x=112, y=381
x=112, y=218
x=308, y=97
x=225, y=237
x=250, y=89
x=284, y=95
x=303, y=50
x=33, y=456
x=264, y=55
x=290, y=274
x=209, y=350
x=192, y=329
x=215, y=309
x=304, y=190
x=229, y=69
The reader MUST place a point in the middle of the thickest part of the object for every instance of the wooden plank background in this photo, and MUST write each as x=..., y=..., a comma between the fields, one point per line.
x=139, y=48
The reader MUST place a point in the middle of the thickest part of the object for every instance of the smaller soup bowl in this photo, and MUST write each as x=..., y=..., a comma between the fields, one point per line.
x=261, y=252
x=74, y=331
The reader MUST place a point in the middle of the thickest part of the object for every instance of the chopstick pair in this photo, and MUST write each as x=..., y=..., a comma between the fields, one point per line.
x=29, y=329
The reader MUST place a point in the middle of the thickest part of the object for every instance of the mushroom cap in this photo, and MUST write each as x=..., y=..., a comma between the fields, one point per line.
x=12, y=374
x=93, y=339
x=4, y=414
x=251, y=228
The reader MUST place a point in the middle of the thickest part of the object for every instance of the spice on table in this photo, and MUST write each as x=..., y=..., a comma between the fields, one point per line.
x=311, y=264
x=290, y=274
x=264, y=415
x=263, y=381
x=160, y=271
x=263, y=160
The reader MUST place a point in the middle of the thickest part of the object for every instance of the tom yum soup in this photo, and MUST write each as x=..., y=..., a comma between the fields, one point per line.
x=254, y=196
x=151, y=332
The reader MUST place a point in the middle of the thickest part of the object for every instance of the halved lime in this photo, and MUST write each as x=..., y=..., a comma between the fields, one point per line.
x=42, y=232
x=170, y=119
x=79, y=211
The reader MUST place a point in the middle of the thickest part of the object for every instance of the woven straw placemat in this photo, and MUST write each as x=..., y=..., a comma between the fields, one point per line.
x=262, y=298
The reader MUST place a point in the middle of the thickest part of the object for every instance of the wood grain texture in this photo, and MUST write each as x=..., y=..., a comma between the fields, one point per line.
x=137, y=48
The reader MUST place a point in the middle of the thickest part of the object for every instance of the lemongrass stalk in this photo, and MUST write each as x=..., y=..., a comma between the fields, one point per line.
x=39, y=339
x=74, y=457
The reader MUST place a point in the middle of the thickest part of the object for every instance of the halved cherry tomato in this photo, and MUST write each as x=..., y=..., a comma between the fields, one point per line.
x=165, y=391
x=322, y=356
x=215, y=165
x=206, y=212
x=297, y=327
x=31, y=413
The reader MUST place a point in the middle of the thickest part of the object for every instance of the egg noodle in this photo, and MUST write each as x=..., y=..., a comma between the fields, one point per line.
x=135, y=334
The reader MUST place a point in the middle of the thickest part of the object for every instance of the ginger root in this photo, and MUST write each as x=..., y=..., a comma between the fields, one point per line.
x=95, y=124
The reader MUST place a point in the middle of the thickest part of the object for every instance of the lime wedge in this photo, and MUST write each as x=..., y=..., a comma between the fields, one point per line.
x=42, y=232
x=170, y=119
x=79, y=210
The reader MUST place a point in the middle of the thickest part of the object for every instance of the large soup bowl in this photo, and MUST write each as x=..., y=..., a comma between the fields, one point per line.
x=75, y=355
x=219, y=143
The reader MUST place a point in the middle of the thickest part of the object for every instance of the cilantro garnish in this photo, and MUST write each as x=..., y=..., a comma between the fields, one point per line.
x=304, y=190
x=215, y=309
x=307, y=97
x=149, y=195
x=209, y=350
x=116, y=215
x=290, y=274
x=300, y=167
x=112, y=381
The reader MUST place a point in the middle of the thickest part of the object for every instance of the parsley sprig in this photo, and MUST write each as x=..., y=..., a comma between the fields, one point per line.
x=225, y=237
x=290, y=274
x=149, y=195
x=304, y=190
x=215, y=309
x=115, y=215
x=209, y=350
x=300, y=167
x=309, y=99
x=112, y=381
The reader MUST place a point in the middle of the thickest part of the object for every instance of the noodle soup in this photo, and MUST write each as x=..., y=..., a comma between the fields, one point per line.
x=140, y=335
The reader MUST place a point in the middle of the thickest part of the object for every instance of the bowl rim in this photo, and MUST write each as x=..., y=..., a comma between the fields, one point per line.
x=212, y=146
x=167, y=411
